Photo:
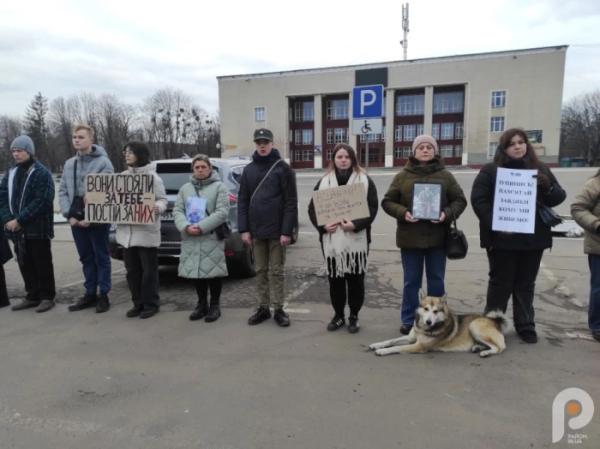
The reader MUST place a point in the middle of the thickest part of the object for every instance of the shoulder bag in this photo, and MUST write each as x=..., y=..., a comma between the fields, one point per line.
x=456, y=243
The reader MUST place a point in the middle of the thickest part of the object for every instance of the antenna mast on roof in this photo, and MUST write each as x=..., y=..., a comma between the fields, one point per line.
x=404, y=42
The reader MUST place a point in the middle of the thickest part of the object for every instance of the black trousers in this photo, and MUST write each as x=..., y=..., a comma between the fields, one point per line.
x=35, y=263
x=3, y=293
x=203, y=285
x=351, y=286
x=142, y=275
x=513, y=273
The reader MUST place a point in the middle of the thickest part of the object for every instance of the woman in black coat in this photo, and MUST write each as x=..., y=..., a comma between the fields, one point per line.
x=514, y=258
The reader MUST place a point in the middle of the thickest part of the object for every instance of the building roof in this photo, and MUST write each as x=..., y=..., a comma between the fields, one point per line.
x=453, y=58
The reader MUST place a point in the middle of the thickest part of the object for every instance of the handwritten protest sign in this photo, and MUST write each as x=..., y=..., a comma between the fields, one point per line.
x=347, y=202
x=119, y=198
x=514, y=201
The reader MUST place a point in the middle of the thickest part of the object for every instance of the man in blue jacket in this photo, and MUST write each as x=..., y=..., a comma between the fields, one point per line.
x=267, y=215
x=27, y=214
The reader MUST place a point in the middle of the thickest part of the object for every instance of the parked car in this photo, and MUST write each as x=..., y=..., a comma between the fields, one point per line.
x=175, y=173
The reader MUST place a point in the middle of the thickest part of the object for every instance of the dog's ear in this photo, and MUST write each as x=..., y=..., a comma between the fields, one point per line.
x=443, y=299
x=421, y=294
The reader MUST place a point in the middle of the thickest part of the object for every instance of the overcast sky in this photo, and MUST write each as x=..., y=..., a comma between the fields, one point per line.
x=132, y=48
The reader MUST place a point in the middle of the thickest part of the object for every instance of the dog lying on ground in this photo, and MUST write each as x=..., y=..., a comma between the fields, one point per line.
x=437, y=328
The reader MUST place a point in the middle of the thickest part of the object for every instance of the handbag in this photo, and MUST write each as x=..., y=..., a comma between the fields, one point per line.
x=77, y=209
x=456, y=243
x=548, y=216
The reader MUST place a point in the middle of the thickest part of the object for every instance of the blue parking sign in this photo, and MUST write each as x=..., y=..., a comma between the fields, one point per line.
x=367, y=101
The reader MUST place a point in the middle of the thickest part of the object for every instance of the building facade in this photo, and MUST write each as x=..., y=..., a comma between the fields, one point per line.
x=465, y=102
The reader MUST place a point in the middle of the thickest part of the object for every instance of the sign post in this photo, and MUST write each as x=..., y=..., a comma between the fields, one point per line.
x=367, y=113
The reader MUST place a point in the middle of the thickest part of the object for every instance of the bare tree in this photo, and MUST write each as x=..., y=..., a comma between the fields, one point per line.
x=175, y=126
x=60, y=122
x=114, y=120
x=10, y=128
x=36, y=127
x=580, y=128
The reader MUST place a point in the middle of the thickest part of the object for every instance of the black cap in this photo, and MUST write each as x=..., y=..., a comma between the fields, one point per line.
x=263, y=134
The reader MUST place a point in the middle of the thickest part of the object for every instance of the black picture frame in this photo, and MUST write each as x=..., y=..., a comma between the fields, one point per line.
x=426, y=201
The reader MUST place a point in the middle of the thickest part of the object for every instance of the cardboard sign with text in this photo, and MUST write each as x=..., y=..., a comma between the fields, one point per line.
x=349, y=202
x=514, y=201
x=120, y=198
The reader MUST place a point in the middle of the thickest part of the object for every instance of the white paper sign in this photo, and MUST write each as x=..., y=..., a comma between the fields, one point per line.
x=514, y=201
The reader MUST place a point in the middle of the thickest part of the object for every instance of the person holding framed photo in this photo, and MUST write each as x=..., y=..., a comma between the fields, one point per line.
x=202, y=206
x=424, y=198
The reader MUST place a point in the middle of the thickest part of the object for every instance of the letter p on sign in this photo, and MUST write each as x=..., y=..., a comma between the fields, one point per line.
x=367, y=101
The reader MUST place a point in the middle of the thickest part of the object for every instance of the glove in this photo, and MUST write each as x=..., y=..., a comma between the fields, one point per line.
x=543, y=182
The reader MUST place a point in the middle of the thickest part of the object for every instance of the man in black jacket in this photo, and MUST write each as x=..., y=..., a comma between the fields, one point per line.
x=267, y=214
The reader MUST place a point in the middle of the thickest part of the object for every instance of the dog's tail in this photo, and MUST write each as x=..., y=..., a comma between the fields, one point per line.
x=499, y=318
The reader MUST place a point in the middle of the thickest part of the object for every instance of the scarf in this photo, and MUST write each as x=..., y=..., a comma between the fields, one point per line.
x=345, y=252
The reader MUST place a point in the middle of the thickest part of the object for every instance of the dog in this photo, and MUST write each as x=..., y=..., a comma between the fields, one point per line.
x=437, y=328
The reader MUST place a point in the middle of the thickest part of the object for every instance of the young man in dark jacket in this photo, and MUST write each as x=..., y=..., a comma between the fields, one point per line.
x=27, y=214
x=267, y=215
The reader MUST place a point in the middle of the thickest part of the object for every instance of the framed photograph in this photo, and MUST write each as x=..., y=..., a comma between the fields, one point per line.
x=426, y=201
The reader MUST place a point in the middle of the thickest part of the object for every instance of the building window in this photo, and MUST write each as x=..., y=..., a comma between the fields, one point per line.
x=259, y=114
x=337, y=135
x=435, y=131
x=398, y=133
x=419, y=129
x=410, y=104
x=304, y=111
x=534, y=136
x=297, y=136
x=492, y=150
x=307, y=137
x=458, y=131
x=330, y=153
x=410, y=132
x=498, y=99
x=447, y=131
x=402, y=152
x=337, y=109
x=448, y=102
x=341, y=135
x=370, y=138
x=303, y=155
x=447, y=150
x=458, y=150
x=497, y=124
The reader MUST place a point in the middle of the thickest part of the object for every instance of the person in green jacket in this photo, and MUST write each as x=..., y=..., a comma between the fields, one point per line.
x=202, y=205
x=422, y=241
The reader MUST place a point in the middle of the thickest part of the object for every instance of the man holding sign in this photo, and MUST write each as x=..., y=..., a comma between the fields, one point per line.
x=141, y=241
x=506, y=197
x=342, y=209
x=91, y=240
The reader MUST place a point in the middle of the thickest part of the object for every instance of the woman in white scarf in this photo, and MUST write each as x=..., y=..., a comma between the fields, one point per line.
x=345, y=243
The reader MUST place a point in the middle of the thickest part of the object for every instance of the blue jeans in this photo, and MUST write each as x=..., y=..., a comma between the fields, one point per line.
x=92, y=246
x=412, y=264
x=594, y=309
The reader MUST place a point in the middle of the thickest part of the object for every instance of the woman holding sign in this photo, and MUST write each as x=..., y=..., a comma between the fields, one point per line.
x=424, y=198
x=514, y=257
x=202, y=206
x=345, y=243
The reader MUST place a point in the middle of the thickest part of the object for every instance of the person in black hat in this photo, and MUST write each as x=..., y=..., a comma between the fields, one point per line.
x=267, y=214
x=27, y=214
